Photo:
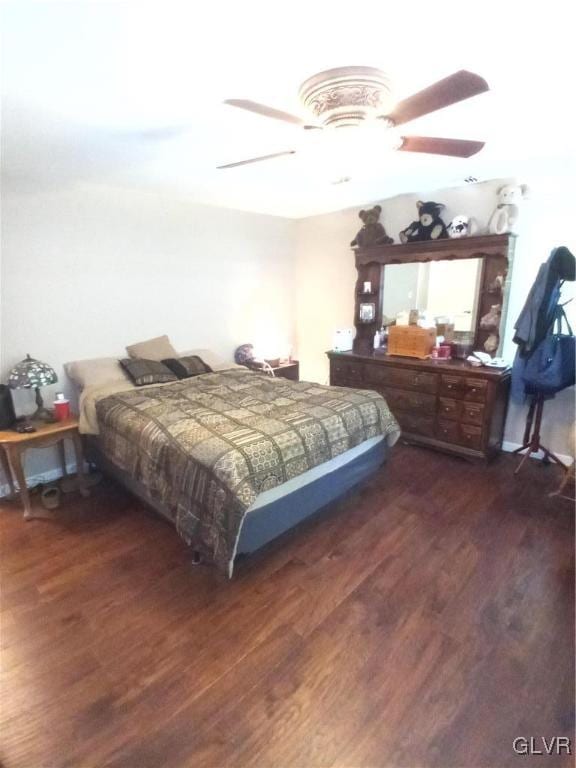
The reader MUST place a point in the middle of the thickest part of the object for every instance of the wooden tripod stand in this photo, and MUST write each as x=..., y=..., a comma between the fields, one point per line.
x=531, y=442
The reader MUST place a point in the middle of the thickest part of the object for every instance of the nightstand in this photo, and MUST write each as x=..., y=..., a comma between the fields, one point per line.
x=13, y=446
x=288, y=370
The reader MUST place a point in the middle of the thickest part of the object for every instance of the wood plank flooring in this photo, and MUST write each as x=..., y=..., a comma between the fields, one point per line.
x=425, y=620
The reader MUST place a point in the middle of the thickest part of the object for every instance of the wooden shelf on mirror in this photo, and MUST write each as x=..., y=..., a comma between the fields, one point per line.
x=495, y=252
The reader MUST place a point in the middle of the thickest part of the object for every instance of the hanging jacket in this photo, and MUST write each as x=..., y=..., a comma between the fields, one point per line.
x=536, y=317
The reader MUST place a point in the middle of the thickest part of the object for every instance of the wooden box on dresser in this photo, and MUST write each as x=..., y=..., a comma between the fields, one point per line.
x=444, y=404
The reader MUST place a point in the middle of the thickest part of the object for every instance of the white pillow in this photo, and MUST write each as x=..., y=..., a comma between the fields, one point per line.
x=211, y=359
x=95, y=372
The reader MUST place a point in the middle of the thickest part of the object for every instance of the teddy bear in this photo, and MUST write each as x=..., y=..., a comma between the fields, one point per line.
x=462, y=226
x=372, y=233
x=505, y=216
x=429, y=225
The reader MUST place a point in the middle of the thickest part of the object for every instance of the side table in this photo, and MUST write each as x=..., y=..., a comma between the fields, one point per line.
x=14, y=444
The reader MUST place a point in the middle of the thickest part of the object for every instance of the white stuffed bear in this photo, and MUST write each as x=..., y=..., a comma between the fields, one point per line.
x=505, y=216
x=462, y=226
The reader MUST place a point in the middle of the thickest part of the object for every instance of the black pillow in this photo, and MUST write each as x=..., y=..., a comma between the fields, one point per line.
x=186, y=367
x=147, y=371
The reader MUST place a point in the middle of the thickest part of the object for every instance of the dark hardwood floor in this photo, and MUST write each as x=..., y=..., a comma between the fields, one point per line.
x=426, y=620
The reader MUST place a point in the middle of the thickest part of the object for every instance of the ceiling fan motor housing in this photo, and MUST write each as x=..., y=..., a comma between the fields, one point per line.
x=347, y=95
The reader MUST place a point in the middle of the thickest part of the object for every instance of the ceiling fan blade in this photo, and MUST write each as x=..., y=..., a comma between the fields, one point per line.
x=262, y=109
x=434, y=146
x=452, y=89
x=256, y=159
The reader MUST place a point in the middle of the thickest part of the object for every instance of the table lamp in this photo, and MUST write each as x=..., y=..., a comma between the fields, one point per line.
x=30, y=374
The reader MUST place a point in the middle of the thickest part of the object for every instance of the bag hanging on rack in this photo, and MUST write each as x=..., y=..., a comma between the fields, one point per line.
x=551, y=367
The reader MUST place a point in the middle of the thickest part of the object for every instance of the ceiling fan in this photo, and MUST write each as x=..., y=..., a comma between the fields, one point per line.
x=351, y=96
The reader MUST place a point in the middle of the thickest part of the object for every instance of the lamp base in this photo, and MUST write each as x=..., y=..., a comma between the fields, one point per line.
x=41, y=413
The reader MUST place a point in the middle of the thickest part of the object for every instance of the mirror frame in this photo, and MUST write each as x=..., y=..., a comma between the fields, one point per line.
x=496, y=252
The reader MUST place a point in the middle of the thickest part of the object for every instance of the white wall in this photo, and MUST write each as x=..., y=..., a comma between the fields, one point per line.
x=88, y=270
x=325, y=276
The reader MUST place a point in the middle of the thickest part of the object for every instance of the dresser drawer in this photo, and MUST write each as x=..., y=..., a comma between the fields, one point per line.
x=452, y=386
x=417, y=424
x=406, y=400
x=460, y=434
x=463, y=388
x=476, y=390
x=471, y=436
x=449, y=408
x=403, y=378
x=345, y=373
x=472, y=413
x=448, y=431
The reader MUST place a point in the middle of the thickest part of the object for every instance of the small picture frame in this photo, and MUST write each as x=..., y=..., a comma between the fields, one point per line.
x=367, y=287
x=367, y=313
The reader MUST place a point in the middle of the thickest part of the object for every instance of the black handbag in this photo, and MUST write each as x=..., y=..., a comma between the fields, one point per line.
x=552, y=365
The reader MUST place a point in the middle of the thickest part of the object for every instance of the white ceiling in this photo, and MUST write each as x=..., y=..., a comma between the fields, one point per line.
x=131, y=94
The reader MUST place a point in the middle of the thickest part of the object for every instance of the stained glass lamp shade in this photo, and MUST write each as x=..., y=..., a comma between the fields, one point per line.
x=32, y=374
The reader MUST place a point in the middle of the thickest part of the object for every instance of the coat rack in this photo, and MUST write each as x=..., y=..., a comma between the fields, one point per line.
x=538, y=320
x=531, y=442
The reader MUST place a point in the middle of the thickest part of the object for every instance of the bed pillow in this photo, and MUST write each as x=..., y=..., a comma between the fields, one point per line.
x=147, y=371
x=188, y=366
x=153, y=349
x=212, y=359
x=95, y=372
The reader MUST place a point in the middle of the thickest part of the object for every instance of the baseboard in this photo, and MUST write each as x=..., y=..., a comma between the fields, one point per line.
x=509, y=447
x=56, y=474
x=45, y=477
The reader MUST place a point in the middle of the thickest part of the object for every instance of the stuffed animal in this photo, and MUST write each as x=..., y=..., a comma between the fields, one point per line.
x=372, y=233
x=491, y=343
x=429, y=225
x=462, y=226
x=505, y=216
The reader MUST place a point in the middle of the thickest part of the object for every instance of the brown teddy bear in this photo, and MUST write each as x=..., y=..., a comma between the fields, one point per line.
x=372, y=233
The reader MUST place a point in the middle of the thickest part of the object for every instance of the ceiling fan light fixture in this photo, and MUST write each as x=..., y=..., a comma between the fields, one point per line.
x=361, y=97
x=347, y=96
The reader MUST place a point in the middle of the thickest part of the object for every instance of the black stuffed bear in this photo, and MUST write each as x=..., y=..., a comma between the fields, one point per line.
x=429, y=225
x=372, y=233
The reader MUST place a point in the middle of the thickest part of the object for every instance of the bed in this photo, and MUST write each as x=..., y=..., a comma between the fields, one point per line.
x=234, y=458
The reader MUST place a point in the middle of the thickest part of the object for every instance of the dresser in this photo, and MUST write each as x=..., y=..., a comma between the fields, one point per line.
x=444, y=404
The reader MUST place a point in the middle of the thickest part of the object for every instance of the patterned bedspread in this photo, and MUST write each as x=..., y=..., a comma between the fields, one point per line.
x=207, y=446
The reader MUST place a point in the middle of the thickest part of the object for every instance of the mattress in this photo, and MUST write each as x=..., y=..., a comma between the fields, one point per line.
x=269, y=520
x=280, y=491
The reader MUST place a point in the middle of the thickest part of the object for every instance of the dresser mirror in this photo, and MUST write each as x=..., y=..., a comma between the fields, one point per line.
x=446, y=289
x=459, y=285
